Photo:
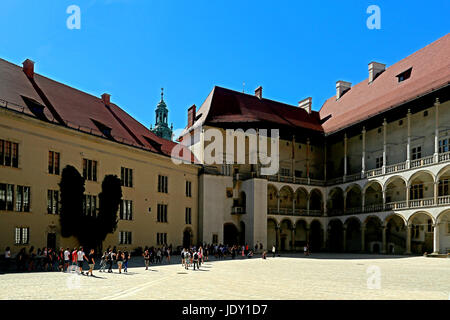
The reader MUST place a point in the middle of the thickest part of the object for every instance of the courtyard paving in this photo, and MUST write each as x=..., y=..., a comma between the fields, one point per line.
x=321, y=276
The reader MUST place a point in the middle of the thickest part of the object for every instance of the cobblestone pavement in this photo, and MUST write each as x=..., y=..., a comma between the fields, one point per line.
x=321, y=276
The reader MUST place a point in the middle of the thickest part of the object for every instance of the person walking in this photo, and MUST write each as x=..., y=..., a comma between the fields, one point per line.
x=91, y=262
x=273, y=251
x=195, y=260
x=182, y=257
x=80, y=258
x=110, y=259
x=74, y=257
x=103, y=261
x=146, y=256
x=305, y=250
x=119, y=259
x=66, y=259
x=126, y=258
x=7, y=258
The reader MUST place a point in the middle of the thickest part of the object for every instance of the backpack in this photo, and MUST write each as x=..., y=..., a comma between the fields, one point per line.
x=196, y=256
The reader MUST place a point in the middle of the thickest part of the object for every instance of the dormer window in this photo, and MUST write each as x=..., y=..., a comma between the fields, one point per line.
x=104, y=129
x=35, y=107
x=404, y=75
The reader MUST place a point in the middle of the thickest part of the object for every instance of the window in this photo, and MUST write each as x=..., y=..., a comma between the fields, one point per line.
x=22, y=235
x=443, y=187
x=23, y=199
x=162, y=183
x=416, y=153
x=53, y=162
x=444, y=145
x=404, y=75
x=126, y=177
x=90, y=169
x=162, y=213
x=9, y=154
x=126, y=210
x=416, y=191
x=53, y=202
x=285, y=172
x=188, y=189
x=125, y=237
x=430, y=225
x=161, y=238
x=379, y=162
x=448, y=227
x=188, y=215
x=6, y=197
x=425, y=113
x=90, y=205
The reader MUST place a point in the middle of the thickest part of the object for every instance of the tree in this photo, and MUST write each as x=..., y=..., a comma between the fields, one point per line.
x=89, y=230
x=72, y=193
x=109, y=201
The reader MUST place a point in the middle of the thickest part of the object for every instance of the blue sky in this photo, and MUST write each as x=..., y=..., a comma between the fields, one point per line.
x=294, y=49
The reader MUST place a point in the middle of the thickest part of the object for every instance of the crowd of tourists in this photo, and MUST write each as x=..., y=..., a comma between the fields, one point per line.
x=73, y=260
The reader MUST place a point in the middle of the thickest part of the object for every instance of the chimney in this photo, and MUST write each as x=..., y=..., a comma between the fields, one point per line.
x=341, y=88
x=258, y=92
x=106, y=98
x=375, y=69
x=28, y=68
x=306, y=104
x=191, y=115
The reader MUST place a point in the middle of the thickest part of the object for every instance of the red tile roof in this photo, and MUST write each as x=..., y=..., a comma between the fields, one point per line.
x=228, y=106
x=77, y=109
x=430, y=70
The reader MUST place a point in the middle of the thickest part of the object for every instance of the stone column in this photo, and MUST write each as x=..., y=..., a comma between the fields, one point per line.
x=383, y=244
x=307, y=158
x=345, y=202
x=363, y=239
x=293, y=238
x=436, y=192
x=408, y=144
x=278, y=201
x=407, y=195
x=363, y=158
x=408, y=239
x=307, y=234
x=384, y=145
x=345, y=155
x=324, y=244
x=436, y=243
x=344, y=239
x=363, y=200
x=278, y=244
x=293, y=158
x=436, y=132
x=384, y=198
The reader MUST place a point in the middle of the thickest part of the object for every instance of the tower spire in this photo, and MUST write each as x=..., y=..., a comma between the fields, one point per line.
x=162, y=94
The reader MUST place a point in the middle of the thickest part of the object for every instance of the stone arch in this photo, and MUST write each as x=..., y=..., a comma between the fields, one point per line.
x=421, y=185
x=188, y=237
x=373, y=241
x=286, y=195
x=301, y=230
x=301, y=199
x=395, y=226
x=443, y=180
x=422, y=232
x=315, y=200
x=443, y=225
x=272, y=198
x=335, y=204
x=272, y=226
x=335, y=235
x=286, y=235
x=315, y=236
x=373, y=196
x=395, y=189
x=353, y=234
x=353, y=198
